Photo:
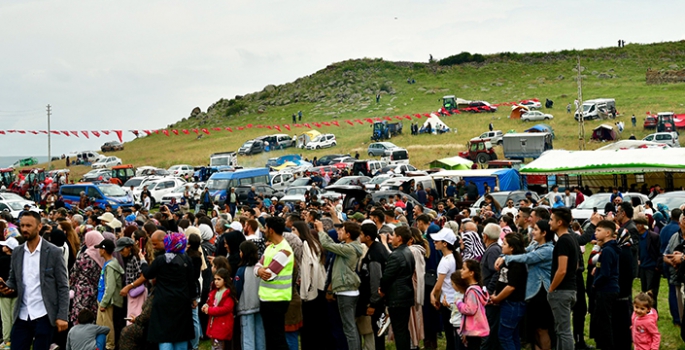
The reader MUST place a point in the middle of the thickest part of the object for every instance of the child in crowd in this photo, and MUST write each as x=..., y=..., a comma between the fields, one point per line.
x=219, y=308
x=510, y=293
x=460, y=285
x=605, y=284
x=645, y=332
x=85, y=335
x=474, y=325
x=109, y=287
x=246, y=287
x=7, y=302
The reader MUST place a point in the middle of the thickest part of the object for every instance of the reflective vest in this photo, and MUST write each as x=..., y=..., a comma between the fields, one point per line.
x=279, y=288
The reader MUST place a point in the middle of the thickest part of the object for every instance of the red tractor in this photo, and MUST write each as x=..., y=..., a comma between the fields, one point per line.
x=479, y=151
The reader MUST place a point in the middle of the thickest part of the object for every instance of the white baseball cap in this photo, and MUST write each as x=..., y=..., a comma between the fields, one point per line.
x=445, y=235
x=10, y=243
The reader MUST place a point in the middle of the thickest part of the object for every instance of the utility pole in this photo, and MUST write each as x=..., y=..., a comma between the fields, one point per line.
x=579, y=110
x=49, y=133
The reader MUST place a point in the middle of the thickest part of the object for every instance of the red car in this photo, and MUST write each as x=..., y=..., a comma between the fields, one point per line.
x=650, y=122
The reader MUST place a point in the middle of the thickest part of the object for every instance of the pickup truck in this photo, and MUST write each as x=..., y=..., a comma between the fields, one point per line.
x=495, y=137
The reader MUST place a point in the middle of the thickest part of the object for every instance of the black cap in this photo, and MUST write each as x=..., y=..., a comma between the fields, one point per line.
x=107, y=245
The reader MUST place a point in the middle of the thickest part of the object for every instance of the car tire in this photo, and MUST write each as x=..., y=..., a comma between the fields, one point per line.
x=334, y=144
x=370, y=154
x=546, y=118
x=318, y=147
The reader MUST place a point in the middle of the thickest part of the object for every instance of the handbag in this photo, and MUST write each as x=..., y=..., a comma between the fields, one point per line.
x=137, y=291
x=430, y=278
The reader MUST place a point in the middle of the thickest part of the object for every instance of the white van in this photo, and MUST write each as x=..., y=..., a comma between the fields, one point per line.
x=396, y=156
x=281, y=181
x=597, y=108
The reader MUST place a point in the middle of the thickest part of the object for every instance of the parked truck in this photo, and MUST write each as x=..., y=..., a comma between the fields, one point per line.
x=384, y=130
x=223, y=158
x=526, y=145
x=600, y=108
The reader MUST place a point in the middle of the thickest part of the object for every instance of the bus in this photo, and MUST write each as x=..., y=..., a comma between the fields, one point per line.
x=220, y=183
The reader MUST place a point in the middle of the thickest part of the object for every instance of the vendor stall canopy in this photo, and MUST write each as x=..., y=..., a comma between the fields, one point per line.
x=627, y=161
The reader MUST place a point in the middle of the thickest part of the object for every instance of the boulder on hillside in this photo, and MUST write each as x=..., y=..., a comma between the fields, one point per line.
x=195, y=111
x=270, y=88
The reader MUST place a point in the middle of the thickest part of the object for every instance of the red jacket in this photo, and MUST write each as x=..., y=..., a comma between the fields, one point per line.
x=220, y=324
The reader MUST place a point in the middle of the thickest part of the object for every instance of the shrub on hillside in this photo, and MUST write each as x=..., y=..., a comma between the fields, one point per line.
x=464, y=57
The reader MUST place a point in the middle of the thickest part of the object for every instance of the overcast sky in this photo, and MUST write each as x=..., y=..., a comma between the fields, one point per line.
x=146, y=64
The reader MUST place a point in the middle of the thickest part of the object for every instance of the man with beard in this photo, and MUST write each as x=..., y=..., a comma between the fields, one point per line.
x=39, y=276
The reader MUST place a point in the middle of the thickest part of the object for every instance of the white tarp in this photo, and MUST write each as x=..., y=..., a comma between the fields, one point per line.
x=435, y=124
x=632, y=144
x=627, y=161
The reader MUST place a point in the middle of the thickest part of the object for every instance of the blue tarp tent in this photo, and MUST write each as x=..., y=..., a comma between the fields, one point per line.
x=505, y=179
x=541, y=128
x=294, y=158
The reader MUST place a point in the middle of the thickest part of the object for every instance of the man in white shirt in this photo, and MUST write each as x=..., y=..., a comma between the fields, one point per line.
x=39, y=277
x=510, y=208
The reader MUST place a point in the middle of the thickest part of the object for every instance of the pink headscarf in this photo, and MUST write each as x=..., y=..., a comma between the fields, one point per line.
x=92, y=239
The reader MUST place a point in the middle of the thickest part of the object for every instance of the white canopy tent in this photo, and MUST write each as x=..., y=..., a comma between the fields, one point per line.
x=435, y=124
x=625, y=161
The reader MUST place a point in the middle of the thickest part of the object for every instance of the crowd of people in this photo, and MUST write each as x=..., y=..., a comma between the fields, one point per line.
x=262, y=274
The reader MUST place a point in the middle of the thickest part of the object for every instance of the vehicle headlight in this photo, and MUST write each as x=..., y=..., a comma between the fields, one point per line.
x=111, y=202
x=217, y=197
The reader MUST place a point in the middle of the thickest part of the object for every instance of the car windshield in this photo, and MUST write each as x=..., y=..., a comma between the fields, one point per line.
x=378, y=180
x=248, y=143
x=296, y=191
x=175, y=167
x=586, y=107
x=318, y=138
x=670, y=201
x=595, y=201
x=133, y=182
x=179, y=189
x=112, y=191
x=215, y=185
x=16, y=205
x=10, y=195
x=300, y=182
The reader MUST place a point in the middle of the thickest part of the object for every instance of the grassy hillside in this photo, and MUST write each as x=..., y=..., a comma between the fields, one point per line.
x=346, y=90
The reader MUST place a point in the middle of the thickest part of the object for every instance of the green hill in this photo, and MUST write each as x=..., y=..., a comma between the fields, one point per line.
x=346, y=90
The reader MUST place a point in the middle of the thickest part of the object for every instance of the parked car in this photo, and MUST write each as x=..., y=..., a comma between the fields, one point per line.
x=177, y=193
x=531, y=104
x=158, y=189
x=367, y=167
x=494, y=137
x=482, y=106
x=352, y=181
x=599, y=200
x=397, y=169
x=11, y=196
x=326, y=160
x=535, y=116
x=95, y=175
x=672, y=199
x=14, y=207
x=502, y=197
x=669, y=138
x=396, y=156
x=650, y=122
x=278, y=141
x=107, y=162
x=251, y=147
x=112, y=146
x=322, y=141
x=377, y=180
x=378, y=148
x=182, y=170
x=260, y=188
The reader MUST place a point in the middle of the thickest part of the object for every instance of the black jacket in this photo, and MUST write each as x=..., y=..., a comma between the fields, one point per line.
x=396, y=283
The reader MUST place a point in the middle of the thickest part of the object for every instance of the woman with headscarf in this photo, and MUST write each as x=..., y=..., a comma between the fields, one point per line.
x=175, y=295
x=661, y=217
x=558, y=202
x=84, y=277
x=59, y=239
x=72, y=239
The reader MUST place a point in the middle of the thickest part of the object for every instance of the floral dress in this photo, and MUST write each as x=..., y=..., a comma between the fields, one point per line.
x=83, y=280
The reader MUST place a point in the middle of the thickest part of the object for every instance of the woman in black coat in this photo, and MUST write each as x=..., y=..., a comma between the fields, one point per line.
x=171, y=320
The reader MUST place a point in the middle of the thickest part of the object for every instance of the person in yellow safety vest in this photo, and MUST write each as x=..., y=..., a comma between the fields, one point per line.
x=275, y=269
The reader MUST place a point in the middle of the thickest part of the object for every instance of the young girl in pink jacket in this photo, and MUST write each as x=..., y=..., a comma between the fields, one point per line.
x=646, y=335
x=474, y=324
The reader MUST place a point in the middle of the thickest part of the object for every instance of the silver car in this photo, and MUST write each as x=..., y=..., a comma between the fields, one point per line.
x=535, y=115
x=379, y=148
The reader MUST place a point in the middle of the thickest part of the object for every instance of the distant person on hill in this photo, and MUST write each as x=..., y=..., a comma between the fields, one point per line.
x=568, y=108
x=491, y=127
x=378, y=97
x=299, y=114
x=69, y=161
x=294, y=118
x=633, y=120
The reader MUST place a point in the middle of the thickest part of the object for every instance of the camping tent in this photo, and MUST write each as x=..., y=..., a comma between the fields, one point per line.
x=306, y=137
x=453, y=163
x=436, y=125
x=604, y=132
x=541, y=128
x=517, y=111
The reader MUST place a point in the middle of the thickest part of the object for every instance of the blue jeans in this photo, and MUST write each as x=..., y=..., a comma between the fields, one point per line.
x=510, y=315
x=101, y=341
x=292, y=339
x=36, y=332
x=253, y=332
x=195, y=342
x=182, y=345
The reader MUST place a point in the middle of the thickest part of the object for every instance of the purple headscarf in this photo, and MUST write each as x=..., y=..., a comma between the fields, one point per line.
x=174, y=243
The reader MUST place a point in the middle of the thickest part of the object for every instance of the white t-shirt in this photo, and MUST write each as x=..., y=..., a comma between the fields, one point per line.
x=511, y=210
x=446, y=267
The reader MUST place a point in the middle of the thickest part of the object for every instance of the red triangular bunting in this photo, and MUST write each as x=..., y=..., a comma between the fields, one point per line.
x=85, y=133
x=185, y=131
x=205, y=131
x=335, y=122
x=197, y=132
x=96, y=133
x=286, y=126
x=106, y=132
x=229, y=129
x=175, y=132
x=217, y=129
x=119, y=135
x=75, y=133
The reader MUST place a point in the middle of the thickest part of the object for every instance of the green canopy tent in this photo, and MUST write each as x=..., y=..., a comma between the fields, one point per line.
x=453, y=163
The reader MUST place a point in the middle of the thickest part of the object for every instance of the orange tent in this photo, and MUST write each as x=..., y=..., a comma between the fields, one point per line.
x=517, y=111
